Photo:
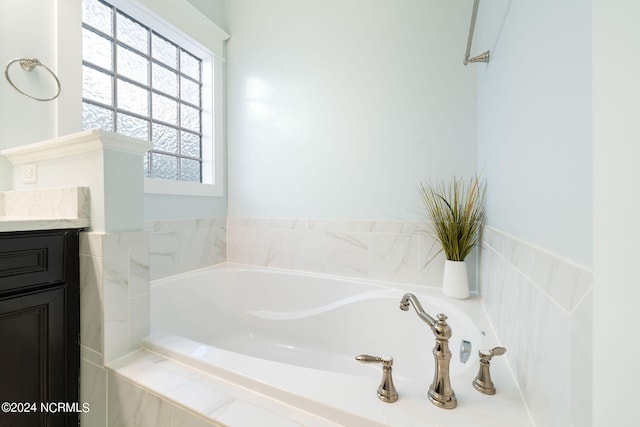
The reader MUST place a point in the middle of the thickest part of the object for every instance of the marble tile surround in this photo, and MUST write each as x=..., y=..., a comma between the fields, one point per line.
x=114, y=292
x=541, y=308
x=394, y=251
x=115, y=271
x=539, y=304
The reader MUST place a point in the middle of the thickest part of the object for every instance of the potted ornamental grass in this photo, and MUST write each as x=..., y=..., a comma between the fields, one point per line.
x=456, y=212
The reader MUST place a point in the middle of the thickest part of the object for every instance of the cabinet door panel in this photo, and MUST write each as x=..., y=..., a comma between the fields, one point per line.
x=28, y=260
x=32, y=355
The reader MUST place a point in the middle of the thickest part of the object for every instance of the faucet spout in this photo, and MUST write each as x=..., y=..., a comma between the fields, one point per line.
x=408, y=299
x=440, y=392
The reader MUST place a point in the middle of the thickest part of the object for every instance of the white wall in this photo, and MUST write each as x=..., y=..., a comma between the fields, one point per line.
x=213, y=9
x=535, y=147
x=534, y=122
x=26, y=30
x=337, y=109
x=616, y=90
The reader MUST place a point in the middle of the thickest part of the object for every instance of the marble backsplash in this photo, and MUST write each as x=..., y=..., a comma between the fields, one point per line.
x=378, y=250
x=541, y=308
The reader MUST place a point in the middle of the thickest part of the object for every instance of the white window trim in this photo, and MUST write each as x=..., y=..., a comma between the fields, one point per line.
x=213, y=134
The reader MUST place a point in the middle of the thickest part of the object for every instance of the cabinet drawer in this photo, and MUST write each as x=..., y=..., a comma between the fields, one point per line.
x=31, y=259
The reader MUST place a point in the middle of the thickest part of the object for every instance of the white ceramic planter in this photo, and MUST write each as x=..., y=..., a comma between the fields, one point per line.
x=455, y=280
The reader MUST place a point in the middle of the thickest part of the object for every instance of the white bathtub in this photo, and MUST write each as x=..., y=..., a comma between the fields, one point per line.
x=293, y=337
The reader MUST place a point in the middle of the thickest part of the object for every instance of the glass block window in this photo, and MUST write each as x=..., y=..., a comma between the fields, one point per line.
x=139, y=83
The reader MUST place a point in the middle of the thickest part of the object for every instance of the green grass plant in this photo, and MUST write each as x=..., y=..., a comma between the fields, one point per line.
x=456, y=211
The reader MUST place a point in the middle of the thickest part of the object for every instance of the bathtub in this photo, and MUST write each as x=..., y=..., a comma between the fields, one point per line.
x=294, y=337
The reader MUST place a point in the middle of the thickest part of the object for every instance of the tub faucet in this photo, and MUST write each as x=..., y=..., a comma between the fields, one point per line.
x=386, y=391
x=440, y=392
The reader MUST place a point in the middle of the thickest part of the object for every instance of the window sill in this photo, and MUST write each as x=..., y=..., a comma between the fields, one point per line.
x=180, y=188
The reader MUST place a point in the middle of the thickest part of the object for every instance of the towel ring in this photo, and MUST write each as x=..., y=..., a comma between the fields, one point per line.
x=29, y=64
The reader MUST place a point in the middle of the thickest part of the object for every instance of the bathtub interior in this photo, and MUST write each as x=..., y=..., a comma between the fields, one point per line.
x=307, y=320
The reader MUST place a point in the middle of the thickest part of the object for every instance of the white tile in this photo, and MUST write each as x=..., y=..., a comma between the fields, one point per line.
x=219, y=244
x=548, y=391
x=195, y=249
x=203, y=396
x=139, y=265
x=244, y=414
x=347, y=254
x=91, y=355
x=182, y=418
x=116, y=330
x=91, y=243
x=91, y=302
x=93, y=391
x=129, y=405
x=140, y=320
x=309, y=252
x=163, y=254
x=394, y=257
x=529, y=295
x=116, y=268
x=431, y=261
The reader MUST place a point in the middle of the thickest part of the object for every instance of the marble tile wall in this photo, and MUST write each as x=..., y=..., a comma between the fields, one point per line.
x=114, y=309
x=539, y=304
x=183, y=245
x=541, y=308
x=114, y=292
x=379, y=250
x=115, y=271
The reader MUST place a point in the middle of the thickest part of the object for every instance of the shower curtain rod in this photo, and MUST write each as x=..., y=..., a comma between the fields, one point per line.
x=483, y=57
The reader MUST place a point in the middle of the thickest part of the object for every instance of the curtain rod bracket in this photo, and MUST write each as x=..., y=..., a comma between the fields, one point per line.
x=483, y=57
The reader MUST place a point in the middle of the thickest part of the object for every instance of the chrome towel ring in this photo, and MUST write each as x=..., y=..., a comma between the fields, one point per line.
x=29, y=64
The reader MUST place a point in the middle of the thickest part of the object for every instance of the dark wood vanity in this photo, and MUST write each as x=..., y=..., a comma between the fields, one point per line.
x=39, y=328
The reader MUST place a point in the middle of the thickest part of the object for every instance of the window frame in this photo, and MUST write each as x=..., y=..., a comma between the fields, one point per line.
x=212, y=105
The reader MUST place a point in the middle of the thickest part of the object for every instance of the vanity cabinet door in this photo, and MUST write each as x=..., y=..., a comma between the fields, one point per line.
x=32, y=356
x=39, y=328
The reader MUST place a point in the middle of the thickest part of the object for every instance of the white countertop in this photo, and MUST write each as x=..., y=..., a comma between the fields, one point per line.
x=8, y=224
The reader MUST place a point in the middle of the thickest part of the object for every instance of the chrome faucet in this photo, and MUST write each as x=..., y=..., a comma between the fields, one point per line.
x=440, y=392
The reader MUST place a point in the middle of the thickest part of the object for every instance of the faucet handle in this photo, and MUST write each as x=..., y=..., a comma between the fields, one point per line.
x=482, y=381
x=384, y=359
x=488, y=354
x=386, y=391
